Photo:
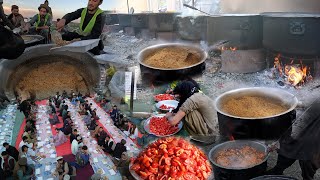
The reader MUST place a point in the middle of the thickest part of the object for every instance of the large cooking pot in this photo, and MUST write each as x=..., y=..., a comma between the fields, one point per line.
x=227, y=173
x=257, y=128
x=124, y=20
x=171, y=74
x=292, y=33
x=192, y=28
x=244, y=31
x=162, y=22
x=11, y=72
x=274, y=177
x=140, y=20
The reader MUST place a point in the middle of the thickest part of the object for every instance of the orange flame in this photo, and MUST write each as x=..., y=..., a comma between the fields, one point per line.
x=296, y=74
x=228, y=48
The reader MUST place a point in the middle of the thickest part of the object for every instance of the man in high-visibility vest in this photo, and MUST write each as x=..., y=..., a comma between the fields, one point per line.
x=40, y=23
x=91, y=24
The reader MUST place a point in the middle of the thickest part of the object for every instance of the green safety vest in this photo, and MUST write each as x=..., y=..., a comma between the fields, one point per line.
x=39, y=20
x=90, y=25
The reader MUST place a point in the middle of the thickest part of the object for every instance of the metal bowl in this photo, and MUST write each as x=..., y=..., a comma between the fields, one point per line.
x=284, y=97
x=222, y=173
x=237, y=144
x=168, y=103
x=146, y=126
x=149, y=50
x=274, y=177
x=257, y=128
x=172, y=73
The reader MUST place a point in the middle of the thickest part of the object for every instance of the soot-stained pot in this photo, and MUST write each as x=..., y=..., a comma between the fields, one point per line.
x=228, y=173
x=292, y=33
x=263, y=128
x=163, y=74
x=124, y=20
x=274, y=177
x=162, y=22
x=192, y=28
x=244, y=31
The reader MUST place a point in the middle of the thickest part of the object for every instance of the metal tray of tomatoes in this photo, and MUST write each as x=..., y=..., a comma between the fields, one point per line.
x=162, y=97
x=146, y=126
x=133, y=173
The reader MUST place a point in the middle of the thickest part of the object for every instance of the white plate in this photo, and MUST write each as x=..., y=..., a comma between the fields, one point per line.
x=169, y=103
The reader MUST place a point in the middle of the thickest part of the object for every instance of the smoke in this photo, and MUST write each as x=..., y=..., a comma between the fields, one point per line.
x=254, y=6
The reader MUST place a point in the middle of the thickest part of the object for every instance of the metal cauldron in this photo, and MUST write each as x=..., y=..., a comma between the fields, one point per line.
x=226, y=173
x=171, y=74
x=274, y=177
x=244, y=31
x=292, y=33
x=257, y=128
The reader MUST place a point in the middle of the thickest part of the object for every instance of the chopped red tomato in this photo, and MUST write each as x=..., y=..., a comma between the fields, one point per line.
x=162, y=97
x=160, y=126
x=165, y=107
x=172, y=162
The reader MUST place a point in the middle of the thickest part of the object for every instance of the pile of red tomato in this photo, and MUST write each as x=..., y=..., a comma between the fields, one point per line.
x=165, y=107
x=160, y=126
x=172, y=159
x=162, y=97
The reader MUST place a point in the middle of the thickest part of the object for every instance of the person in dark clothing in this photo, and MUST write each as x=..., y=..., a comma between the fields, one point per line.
x=300, y=144
x=25, y=107
x=66, y=116
x=12, y=151
x=67, y=127
x=53, y=109
x=93, y=125
x=7, y=163
x=16, y=19
x=119, y=149
x=115, y=113
x=40, y=23
x=181, y=88
x=91, y=24
x=64, y=94
x=101, y=136
x=54, y=120
x=94, y=114
x=74, y=135
x=107, y=145
x=63, y=168
x=4, y=18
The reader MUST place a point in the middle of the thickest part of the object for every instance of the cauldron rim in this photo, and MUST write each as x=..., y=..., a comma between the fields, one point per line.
x=203, y=53
x=237, y=142
x=258, y=89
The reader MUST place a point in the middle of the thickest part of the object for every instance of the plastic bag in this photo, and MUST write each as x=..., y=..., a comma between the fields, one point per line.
x=117, y=84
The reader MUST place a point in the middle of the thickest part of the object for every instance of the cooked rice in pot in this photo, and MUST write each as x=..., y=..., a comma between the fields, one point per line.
x=172, y=58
